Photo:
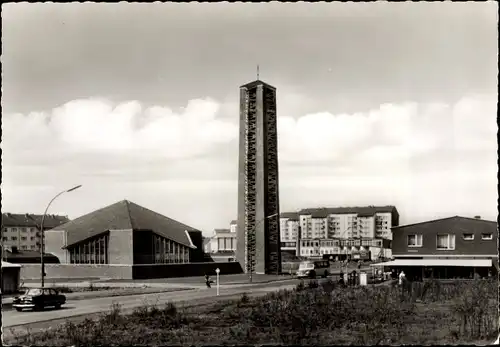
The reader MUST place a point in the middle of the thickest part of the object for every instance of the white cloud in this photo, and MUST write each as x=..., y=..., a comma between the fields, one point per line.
x=424, y=158
x=392, y=132
x=96, y=125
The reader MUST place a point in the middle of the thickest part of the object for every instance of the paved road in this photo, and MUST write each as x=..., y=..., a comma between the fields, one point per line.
x=96, y=305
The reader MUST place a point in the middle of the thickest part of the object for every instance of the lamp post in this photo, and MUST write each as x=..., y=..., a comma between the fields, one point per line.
x=42, y=234
x=251, y=253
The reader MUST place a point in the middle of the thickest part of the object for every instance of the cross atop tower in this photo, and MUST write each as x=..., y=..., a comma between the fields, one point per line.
x=257, y=71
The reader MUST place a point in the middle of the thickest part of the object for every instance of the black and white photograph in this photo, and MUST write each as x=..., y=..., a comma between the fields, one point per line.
x=249, y=173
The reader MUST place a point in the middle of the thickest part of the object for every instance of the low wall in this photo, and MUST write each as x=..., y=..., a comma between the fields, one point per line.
x=53, y=271
x=184, y=270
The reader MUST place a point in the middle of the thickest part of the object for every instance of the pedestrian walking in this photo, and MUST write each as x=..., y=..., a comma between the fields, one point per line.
x=208, y=281
x=402, y=277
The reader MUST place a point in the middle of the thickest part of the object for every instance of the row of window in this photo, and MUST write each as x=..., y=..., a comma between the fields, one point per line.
x=24, y=230
x=319, y=252
x=347, y=243
x=29, y=247
x=226, y=243
x=91, y=252
x=444, y=241
x=169, y=252
x=14, y=238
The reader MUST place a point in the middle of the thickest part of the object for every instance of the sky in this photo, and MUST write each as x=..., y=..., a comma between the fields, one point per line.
x=378, y=104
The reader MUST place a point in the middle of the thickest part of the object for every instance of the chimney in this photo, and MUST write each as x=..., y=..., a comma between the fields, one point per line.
x=477, y=217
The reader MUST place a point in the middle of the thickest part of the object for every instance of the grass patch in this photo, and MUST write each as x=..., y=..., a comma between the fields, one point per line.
x=326, y=314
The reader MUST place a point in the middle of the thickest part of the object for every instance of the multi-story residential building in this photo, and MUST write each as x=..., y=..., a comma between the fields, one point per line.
x=22, y=231
x=289, y=230
x=446, y=248
x=343, y=232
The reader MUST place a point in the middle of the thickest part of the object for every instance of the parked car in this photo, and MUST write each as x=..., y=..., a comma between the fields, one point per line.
x=312, y=269
x=38, y=299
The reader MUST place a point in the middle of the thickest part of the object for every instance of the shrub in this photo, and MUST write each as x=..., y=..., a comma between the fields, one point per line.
x=244, y=298
x=477, y=314
x=328, y=286
x=300, y=286
x=113, y=317
x=313, y=284
x=301, y=315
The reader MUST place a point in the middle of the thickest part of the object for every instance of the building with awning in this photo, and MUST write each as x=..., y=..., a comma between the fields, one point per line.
x=438, y=262
x=455, y=247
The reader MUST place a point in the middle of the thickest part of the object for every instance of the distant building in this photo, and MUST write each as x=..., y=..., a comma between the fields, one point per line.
x=221, y=246
x=206, y=244
x=123, y=233
x=22, y=231
x=446, y=248
x=233, y=227
x=340, y=232
x=223, y=240
x=289, y=230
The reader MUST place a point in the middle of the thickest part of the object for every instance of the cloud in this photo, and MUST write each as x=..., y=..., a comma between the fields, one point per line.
x=98, y=126
x=423, y=157
x=391, y=132
x=390, y=137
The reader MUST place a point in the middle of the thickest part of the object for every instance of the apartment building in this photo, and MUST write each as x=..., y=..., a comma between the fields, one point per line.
x=454, y=247
x=289, y=230
x=342, y=232
x=22, y=231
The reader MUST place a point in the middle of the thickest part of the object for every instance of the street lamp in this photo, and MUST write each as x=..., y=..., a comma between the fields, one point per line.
x=251, y=253
x=42, y=246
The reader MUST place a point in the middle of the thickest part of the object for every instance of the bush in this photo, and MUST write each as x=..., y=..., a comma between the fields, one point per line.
x=301, y=315
x=328, y=286
x=300, y=286
x=477, y=315
x=244, y=298
x=313, y=284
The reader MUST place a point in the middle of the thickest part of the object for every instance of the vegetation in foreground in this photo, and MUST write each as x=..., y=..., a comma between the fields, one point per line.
x=461, y=312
